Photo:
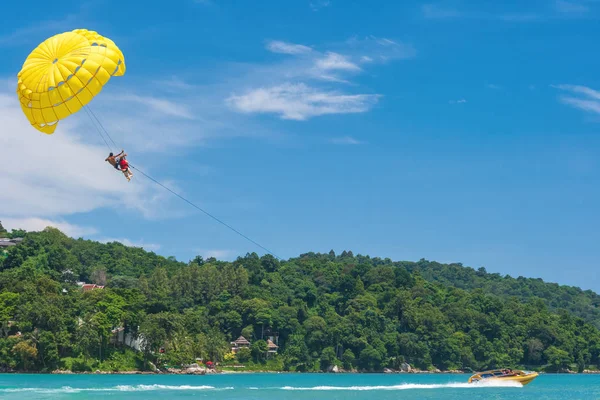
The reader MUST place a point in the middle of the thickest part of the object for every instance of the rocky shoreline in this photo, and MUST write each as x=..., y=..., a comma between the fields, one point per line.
x=195, y=369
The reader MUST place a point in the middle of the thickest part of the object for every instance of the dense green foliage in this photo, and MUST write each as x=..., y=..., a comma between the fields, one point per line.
x=584, y=304
x=352, y=311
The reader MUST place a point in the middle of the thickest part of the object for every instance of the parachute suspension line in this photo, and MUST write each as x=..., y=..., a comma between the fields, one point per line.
x=91, y=113
x=101, y=126
x=98, y=130
x=205, y=212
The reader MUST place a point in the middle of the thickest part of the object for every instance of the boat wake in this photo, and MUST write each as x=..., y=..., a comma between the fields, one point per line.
x=409, y=386
x=119, y=388
x=146, y=388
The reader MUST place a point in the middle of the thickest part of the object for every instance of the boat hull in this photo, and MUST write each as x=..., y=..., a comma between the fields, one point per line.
x=524, y=378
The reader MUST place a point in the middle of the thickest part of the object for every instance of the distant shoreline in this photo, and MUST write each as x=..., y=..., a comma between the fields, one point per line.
x=268, y=372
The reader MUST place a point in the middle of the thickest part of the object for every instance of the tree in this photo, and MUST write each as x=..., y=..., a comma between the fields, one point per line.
x=370, y=359
x=348, y=359
x=3, y=232
x=269, y=263
x=328, y=358
x=557, y=358
x=259, y=350
x=47, y=350
x=99, y=276
x=216, y=345
x=243, y=355
x=535, y=349
x=87, y=339
x=26, y=352
x=369, y=312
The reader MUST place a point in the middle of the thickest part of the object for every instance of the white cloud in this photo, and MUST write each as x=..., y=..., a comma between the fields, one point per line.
x=585, y=105
x=173, y=84
x=300, y=102
x=346, y=140
x=130, y=243
x=277, y=46
x=595, y=94
x=335, y=61
x=570, y=7
x=460, y=101
x=337, y=65
x=316, y=5
x=372, y=48
x=589, y=99
x=52, y=176
x=386, y=42
x=493, y=86
x=39, y=224
x=216, y=253
x=162, y=106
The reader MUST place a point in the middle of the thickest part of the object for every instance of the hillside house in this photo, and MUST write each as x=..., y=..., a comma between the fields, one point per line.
x=5, y=243
x=241, y=342
x=271, y=348
x=89, y=286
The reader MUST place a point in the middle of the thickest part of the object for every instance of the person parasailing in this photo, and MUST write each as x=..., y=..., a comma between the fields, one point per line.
x=114, y=160
x=120, y=163
x=124, y=166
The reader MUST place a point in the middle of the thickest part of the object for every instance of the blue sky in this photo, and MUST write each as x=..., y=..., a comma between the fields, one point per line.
x=453, y=131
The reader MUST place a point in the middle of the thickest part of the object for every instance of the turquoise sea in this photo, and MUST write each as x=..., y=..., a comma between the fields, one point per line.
x=290, y=386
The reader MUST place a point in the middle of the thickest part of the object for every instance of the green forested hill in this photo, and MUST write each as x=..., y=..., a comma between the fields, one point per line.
x=584, y=304
x=352, y=311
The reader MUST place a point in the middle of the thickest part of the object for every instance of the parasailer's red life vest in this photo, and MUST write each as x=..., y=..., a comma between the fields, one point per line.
x=124, y=164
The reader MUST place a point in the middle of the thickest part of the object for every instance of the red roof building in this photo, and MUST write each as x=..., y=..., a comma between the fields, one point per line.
x=91, y=286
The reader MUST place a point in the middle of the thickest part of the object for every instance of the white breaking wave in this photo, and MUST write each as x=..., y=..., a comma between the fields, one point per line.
x=120, y=388
x=408, y=386
x=144, y=388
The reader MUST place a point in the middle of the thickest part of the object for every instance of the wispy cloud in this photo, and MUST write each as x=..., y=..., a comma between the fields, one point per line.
x=174, y=83
x=562, y=9
x=585, y=105
x=295, y=89
x=346, y=140
x=571, y=7
x=277, y=46
x=300, y=102
x=39, y=224
x=595, y=94
x=338, y=63
x=316, y=5
x=459, y=101
x=132, y=243
x=588, y=100
x=435, y=11
x=517, y=17
x=219, y=254
x=36, y=33
x=493, y=86
x=334, y=61
x=380, y=49
x=46, y=189
x=162, y=106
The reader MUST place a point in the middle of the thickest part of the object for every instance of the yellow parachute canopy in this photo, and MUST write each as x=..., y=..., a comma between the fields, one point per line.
x=64, y=73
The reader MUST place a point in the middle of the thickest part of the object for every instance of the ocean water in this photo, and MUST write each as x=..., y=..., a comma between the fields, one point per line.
x=291, y=386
